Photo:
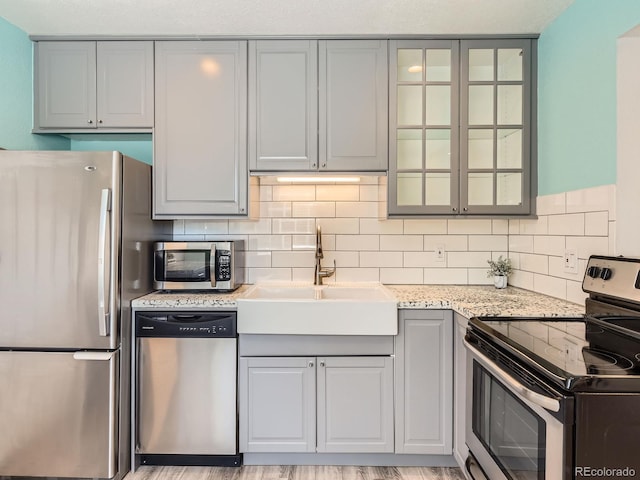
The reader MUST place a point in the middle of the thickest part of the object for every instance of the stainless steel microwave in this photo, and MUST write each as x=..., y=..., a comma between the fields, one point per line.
x=198, y=265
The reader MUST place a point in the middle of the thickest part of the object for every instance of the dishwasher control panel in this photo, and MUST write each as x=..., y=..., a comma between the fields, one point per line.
x=186, y=324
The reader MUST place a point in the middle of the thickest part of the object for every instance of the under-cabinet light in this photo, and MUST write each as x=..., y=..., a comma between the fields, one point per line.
x=319, y=179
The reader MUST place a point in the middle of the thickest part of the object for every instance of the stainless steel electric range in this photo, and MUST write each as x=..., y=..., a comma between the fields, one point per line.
x=559, y=398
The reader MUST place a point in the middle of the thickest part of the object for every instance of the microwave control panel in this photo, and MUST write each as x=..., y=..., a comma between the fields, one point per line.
x=223, y=265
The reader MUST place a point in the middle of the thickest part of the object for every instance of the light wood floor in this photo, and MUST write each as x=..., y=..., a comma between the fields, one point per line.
x=295, y=473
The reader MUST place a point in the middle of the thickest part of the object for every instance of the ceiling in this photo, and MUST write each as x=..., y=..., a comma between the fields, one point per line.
x=280, y=17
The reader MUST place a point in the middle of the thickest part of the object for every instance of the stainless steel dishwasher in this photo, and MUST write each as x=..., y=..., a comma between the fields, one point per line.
x=186, y=398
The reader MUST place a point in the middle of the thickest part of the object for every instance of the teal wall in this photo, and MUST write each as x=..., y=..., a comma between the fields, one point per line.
x=577, y=94
x=16, y=94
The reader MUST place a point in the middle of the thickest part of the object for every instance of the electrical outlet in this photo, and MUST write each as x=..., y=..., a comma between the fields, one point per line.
x=440, y=253
x=570, y=260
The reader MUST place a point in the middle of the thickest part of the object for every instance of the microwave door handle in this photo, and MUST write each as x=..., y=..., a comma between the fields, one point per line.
x=212, y=265
x=103, y=259
x=543, y=401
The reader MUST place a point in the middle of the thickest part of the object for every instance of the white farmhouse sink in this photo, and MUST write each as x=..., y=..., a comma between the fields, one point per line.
x=334, y=309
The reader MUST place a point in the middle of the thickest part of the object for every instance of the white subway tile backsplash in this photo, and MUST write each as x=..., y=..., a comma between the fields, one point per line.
x=249, y=227
x=339, y=193
x=339, y=225
x=500, y=226
x=367, y=247
x=402, y=276
x=423, y=259
x=269, y=242
x=357, y=275
x=296, y=226
x=451, y=243
x=275, y=209
x=549, y=245
x=586, y=246
x=478, y=276
x=308, y=242
x=596, y=224
x=445, y=276
x=374, y=226
x=590, y=199
x=552, y=286
x=294, y=193
x=381, y=259
x=488, y=243
x=358, y=242
x=257, y=275
x=468, y=259
x=357, y=209
x=469, y=226
x=313, y=209
x=369, y=193
x=534, y=263
x=204, y=227
x=426, y=227
x=569, y=224
x=551, y=204
x=521, y=243
x=301, y=258
x=401, y=243
x=539, y=226
x=257, y=259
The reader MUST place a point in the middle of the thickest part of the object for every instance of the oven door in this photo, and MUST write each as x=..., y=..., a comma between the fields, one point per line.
x=511, y=429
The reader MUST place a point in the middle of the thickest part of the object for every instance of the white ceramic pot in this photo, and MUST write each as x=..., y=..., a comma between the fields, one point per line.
x=500, y=281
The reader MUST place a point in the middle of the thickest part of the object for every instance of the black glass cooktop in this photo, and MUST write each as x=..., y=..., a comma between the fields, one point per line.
x=577, y=353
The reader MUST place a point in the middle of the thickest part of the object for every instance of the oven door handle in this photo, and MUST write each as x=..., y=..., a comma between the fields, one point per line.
x=543, y=401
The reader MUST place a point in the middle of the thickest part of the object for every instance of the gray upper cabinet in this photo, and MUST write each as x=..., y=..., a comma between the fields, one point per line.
x=462, y=120
x=318, y=105
x=283, y=106
x=84, y=86
x=200, y=137
x=424, y=382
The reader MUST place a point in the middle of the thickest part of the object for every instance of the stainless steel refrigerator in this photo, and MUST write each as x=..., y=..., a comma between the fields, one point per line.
x=75, y=248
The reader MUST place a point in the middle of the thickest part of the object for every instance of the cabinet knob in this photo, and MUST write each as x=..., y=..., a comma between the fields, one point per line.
x=322, y=364
x=454, y=209
x=99, y=121
x=89, y=122
x=465, y=209
x=310, y=364
x=324, y=165
x=313, y=165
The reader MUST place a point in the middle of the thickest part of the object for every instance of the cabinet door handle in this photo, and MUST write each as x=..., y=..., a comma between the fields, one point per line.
x=465, y=209
x=310, y=364
x=454, y=209
x=89, y=122
x=322, y=364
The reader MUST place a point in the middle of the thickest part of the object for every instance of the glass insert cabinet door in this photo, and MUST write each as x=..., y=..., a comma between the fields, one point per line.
x=495, y=126
x=424, y=126
x=460, y=127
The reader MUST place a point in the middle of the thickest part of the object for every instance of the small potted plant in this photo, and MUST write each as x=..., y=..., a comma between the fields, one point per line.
x=500, y=270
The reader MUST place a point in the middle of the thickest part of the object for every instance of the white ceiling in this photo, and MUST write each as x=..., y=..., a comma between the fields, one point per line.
x=280, y=17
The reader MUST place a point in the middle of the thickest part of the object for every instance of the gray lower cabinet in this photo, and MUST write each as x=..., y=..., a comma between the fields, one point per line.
x=84, y=86
x=424, y=382
x=200, y=137
x=316, y=404
x=318, y=105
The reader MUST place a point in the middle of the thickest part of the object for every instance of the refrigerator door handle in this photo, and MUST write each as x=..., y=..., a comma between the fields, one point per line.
x=100, y=356
x=103, y=301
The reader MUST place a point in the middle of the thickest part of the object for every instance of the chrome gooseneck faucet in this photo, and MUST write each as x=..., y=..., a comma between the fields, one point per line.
x=320, y=272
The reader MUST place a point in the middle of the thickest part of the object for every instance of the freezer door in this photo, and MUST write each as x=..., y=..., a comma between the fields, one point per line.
x=58, y=414
x=59, y=213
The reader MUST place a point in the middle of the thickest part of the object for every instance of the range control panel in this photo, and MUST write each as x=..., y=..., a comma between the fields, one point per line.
x=186, y=324
x=617, y=277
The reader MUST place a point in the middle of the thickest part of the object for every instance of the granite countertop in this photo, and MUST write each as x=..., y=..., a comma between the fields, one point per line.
x=468, y=300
